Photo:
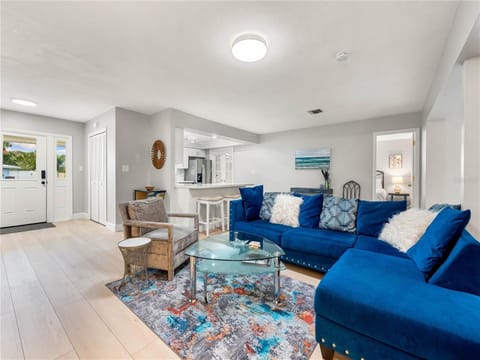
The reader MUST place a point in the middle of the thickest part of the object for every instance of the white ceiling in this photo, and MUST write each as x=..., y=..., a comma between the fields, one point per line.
x=201, y=140
x=77, y=59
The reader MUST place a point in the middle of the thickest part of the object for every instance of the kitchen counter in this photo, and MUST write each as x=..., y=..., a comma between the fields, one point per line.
x=210, y=186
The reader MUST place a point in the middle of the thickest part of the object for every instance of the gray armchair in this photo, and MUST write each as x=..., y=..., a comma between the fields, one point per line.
x=148, y=218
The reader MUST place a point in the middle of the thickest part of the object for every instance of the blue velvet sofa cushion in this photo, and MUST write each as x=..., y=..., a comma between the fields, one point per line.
x=252, y=198
x=263, y=228
x=386, y=298
x=310, y=210
x=317, y=241
x=372, y=215
x=440, y=207
x=439, y=238
x=373, y=244
x=461, y=270
x=338, y=214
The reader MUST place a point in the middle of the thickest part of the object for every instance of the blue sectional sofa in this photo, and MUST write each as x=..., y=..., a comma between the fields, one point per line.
x=374, y=302
x=316, y=248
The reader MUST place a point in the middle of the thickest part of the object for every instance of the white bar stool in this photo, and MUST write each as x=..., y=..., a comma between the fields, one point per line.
x=216, y=202
x=226, y=200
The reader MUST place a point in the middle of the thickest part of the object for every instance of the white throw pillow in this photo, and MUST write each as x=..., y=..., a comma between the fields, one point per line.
x=405, y=229
x=286, y=209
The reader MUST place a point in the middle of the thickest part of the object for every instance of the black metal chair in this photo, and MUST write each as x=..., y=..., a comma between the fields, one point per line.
x=351, y=190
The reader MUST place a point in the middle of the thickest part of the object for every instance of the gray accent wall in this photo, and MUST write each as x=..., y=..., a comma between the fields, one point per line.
x=13, y=120
x=272, y=161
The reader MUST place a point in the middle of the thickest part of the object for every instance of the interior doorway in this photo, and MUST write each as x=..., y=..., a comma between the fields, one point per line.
x=396, y=166
x=23, y=184
x=97, y=176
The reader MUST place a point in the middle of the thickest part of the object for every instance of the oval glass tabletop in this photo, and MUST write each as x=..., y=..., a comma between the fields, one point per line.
x=234, y=246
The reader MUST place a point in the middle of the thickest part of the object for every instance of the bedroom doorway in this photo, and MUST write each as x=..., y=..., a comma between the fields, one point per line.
x=396, y=166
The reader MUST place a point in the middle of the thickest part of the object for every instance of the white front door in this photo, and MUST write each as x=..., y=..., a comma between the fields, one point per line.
x=23, y=185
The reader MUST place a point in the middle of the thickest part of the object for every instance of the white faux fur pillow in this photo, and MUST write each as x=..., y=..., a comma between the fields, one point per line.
x=286, y=209
x=405, y=229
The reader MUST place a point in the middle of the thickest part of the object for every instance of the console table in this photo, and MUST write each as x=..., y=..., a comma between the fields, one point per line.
x=311, y=191
x=404, y=195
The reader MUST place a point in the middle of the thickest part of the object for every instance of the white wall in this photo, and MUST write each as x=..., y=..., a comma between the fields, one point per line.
x=471, y=88
x=272, y=162
x=404, y=147
x=13, y=120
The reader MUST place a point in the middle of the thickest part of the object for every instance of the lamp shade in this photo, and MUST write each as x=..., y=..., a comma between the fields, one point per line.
x=397, y=179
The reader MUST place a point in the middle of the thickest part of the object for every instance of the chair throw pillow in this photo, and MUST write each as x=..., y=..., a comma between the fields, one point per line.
x=267, y=204
x=338, y=214
x=286, y=210
x=252, y=198
x=146, y=210
x=404, y=229
x=372, y=215
x=439, y=238
x=310, y=210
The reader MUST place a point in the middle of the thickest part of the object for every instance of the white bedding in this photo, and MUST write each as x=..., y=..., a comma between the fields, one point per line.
x=381, y=195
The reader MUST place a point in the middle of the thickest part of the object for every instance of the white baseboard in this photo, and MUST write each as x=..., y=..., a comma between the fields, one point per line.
x=78, y=216
x=114, y=227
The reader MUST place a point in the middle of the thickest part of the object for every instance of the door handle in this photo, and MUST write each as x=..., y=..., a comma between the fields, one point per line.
x=43, y=182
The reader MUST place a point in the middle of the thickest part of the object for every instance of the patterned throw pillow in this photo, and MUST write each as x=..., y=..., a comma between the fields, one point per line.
x=267, y=204
x=338, y=214
x=286, y=209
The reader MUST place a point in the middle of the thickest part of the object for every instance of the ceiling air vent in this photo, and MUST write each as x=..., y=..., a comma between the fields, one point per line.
x=315, y=111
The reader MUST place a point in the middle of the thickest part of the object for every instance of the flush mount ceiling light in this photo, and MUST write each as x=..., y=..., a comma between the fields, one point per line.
x=24, y=102
x=249, y=48
x=342, y=55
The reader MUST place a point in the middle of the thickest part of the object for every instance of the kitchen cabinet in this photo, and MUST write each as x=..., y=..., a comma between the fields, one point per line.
x=181, y=158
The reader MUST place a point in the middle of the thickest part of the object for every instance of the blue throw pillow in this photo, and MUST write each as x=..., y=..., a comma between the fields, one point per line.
x=267, y=204
x=310, y=210
x=461, y=270
x=252, y=198
x=338, y=214
x=372, y=215
x=439, y=238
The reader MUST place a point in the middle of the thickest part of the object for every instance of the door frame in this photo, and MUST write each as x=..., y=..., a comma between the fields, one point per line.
x=91, y=134
x=415, y=200
x=51, y=168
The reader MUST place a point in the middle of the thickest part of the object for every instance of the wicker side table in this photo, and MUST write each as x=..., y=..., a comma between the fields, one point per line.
x=134, y=252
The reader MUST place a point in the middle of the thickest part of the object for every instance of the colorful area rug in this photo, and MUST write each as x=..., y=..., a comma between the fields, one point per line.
x=239, y=322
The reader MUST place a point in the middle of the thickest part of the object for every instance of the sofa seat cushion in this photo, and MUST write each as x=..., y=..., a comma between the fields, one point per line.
x=183, y=236
x=317, y=241
x=373, y=244
x=263, y=228
x=386, y=298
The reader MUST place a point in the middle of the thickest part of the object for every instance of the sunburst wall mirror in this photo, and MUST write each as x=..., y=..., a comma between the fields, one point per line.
x=158, y=154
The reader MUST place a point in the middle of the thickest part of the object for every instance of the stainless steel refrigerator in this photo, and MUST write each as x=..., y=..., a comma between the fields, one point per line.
x=199, y=171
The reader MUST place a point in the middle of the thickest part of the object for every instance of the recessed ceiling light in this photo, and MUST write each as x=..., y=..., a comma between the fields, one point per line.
x=249, y=48
x=342, y=55
x=24, y=102
x=214, y=136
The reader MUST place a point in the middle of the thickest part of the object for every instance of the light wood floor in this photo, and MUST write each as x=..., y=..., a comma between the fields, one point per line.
x=54, y=303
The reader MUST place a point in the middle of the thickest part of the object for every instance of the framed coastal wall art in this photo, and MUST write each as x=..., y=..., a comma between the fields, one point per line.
x=395, y=161
x=312, y=159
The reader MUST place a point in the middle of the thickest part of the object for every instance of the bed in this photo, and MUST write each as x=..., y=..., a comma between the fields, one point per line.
x=381, y=194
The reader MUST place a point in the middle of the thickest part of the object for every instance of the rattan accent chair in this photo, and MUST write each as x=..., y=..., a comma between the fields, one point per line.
x=149, y=218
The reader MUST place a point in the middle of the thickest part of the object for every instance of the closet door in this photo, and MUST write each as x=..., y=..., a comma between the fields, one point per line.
x=97, y=175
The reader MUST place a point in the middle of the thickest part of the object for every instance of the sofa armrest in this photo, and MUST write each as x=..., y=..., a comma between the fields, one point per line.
x=237, y=213
x=186, y=215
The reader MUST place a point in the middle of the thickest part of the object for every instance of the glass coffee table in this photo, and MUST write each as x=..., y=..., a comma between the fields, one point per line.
x=233, y=253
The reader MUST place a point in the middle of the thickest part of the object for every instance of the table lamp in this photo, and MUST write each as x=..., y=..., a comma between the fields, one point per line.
x=397, y=180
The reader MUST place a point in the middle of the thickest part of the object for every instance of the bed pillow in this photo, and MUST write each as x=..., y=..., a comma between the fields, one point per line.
x=403, y=230
x=286, y=209
x=372, y=215
x=338, y=214
x=439, y=238
x=252, y=198
x=310, y=210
